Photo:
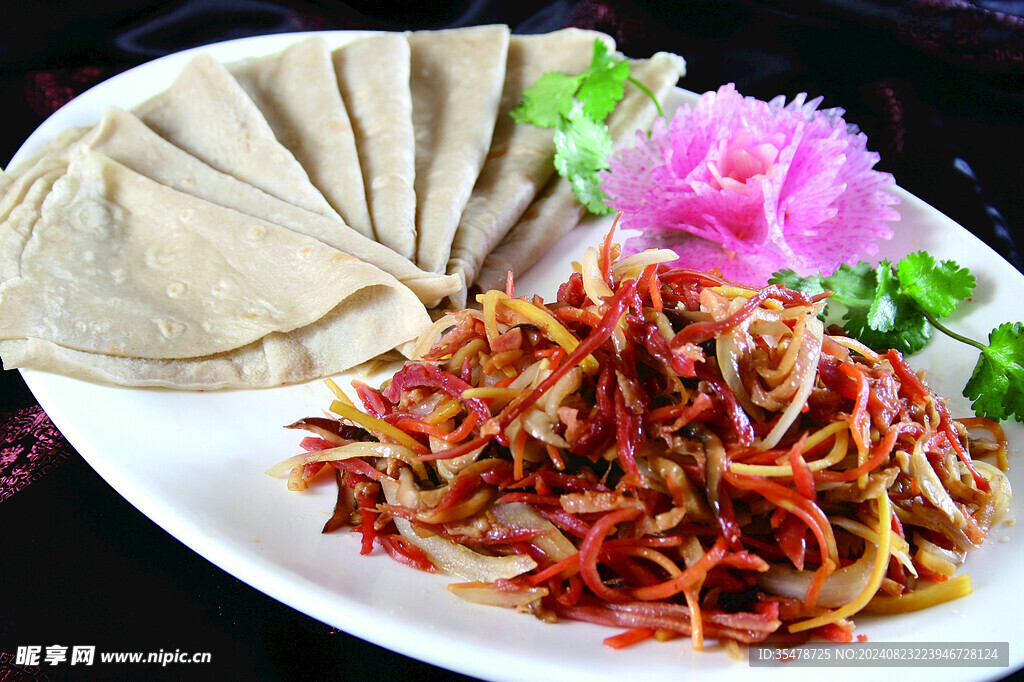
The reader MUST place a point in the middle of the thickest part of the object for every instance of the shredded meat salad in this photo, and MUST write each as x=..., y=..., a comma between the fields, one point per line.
x=666, y=452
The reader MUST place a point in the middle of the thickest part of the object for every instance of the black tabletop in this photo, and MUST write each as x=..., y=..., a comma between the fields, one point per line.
x=937, y=85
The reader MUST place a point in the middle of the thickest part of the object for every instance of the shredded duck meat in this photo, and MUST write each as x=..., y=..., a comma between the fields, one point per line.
x=665, y=452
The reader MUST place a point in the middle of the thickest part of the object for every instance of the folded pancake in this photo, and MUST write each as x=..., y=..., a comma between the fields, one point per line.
x=124, y=138
x=520, y=160
x=208, y=114
x=120, y=265
x=22, y=189
x=16, y=228
x=18, y=178
x=296, y=90
x=556, y=211
x=308, y=353
x=457, y=80
x=373, y=78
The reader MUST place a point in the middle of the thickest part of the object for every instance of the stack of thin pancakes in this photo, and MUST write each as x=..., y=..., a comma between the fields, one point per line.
x=289, y=216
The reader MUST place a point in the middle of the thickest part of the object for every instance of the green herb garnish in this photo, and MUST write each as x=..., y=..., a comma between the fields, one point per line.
x=900, y=307
x=576, y=107
x=582, y=147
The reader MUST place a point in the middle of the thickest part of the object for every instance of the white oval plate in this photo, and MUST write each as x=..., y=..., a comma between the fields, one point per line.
x=194, y=462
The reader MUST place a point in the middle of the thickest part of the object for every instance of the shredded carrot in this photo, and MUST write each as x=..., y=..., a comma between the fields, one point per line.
x=860, y=421
x=629, y=637
x=826, y=569
x=606, y=254
x=565, y=567
x=685, y=579
x=880, y=453
x=464, y=430
x=655, y=291
x=590, y=548
x=410, y=424
x=555, y=455
x=696, y=618
x=518, y=453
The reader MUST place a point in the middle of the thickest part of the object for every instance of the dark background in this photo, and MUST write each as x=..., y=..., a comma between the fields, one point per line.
x=937, y=86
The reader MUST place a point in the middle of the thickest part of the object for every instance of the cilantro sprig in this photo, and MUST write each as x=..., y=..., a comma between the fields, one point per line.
x=576, y=107
x=900, y=307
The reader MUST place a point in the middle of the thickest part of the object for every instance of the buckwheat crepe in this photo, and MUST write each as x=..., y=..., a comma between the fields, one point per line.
x=296, y=89
x=457, y=80
x=373, y=78
x=557, y=211
x=124, y=138
x=207, y=113
x=120, y=265
x=520, y=160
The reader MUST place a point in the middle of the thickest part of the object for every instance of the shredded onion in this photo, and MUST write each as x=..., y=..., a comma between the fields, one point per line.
x=563, y=388
x=952, y=556
x=518, y=515
x=1001, y=496
x=839, y=588
x=343, y=452
x=807, y=369
x=542, y=427
x=488, y=594
x=881, y=562
x=593, y=281
x=633, y=266
x=932, y=488
x=456, y=559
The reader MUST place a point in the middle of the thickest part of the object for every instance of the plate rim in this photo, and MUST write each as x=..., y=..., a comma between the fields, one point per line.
x=256, y=573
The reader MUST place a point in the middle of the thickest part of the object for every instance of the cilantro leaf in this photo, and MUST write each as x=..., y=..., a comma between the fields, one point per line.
x=878, y=311
x=854, y=286
x=900, y=308
x=581, y=151
x=603, y=59
x=576, y=107
x=909, y=333
x=885, y=306
x=808, y=285
x=997, y=384
x=603, y=84
x=552, y=98
x=936, y=286
x=547, y=101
